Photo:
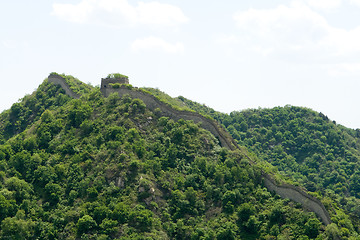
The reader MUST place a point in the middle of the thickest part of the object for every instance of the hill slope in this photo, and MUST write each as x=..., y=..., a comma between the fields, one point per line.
x=105, y=168
x=304, y=145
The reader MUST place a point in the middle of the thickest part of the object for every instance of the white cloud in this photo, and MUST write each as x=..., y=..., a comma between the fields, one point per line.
x=154, y=43
x=73, y=13
x=9, y=44
x=297, y=33
x=227, y=39
x=295, y=25
x=355, y=2
x=341, y=69
x=344, y=42
x=119, y=13
x=324, y=4
x=14, y=44
x=160, y=14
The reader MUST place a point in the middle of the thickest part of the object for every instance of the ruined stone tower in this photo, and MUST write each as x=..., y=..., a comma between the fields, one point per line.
x=114, y=78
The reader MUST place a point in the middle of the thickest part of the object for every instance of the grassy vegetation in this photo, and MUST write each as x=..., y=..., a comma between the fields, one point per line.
x=117, y=76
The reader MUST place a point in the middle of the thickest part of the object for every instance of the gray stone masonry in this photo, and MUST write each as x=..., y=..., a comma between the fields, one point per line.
x=298, y=195
x=106, y=82
x=59, y=80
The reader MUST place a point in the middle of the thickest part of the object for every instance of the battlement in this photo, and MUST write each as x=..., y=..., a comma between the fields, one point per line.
x=114, y=78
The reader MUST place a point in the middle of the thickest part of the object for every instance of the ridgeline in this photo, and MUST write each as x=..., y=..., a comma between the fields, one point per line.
x=119, y=162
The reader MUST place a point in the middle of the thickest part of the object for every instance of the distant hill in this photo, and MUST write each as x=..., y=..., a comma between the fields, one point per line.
x=113, y=168
x=305, y=146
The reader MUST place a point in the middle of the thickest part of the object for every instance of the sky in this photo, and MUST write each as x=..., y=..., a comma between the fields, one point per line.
x=229, y=55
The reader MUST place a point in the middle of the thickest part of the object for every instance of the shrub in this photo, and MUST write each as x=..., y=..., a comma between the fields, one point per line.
x=115, y=85
x=117, y=75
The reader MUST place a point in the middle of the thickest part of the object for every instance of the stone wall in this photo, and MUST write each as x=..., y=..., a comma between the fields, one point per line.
x=59, y=80
x=298, y=195
x=106, y=82
x=153, y=103
x=284, y=190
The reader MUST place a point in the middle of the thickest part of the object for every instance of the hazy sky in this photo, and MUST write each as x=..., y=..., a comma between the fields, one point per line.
x=229, y=55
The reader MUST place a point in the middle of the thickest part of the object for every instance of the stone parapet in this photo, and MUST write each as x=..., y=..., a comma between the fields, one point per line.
x=59, y=80
x=298, y=195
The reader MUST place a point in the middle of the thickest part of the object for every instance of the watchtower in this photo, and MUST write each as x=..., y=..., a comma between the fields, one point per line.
x=114, y=78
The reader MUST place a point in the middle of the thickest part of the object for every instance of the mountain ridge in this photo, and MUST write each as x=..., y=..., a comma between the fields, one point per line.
x=286, y=191
x=142, y=154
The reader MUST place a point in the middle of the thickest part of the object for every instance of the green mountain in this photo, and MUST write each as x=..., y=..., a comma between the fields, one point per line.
x=129, y=163
x=304, y=146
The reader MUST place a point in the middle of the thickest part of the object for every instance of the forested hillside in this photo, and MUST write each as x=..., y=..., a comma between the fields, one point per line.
x=109, y=168
x=304, y=145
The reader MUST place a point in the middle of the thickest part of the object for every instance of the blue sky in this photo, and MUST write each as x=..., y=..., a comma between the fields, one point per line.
x=230, y=55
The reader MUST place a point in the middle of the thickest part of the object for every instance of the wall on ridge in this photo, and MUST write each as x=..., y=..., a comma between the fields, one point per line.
x=296, y=194
x=59, y=80
x=153, y=103
x=284, y=190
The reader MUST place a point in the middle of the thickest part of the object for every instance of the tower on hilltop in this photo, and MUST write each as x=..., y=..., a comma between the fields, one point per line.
x=114, y=78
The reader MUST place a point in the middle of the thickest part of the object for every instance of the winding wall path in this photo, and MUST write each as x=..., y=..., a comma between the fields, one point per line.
x=58, y=80
x=298, y=195
x=153, y=103
x=284, y=190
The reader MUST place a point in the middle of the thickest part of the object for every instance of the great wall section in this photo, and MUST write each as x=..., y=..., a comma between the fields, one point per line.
x=56, y=79
x=153, y=103
x=284, y=190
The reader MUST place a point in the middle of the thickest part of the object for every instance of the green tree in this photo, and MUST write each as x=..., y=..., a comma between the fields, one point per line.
x=141, y=218
x=22, y=189
x=312, y=227
x=53, y=192
x=85, y=224
x=109, y=226
x=7, y=207
x=14, y=228
x=244, y=212
x=79, y=112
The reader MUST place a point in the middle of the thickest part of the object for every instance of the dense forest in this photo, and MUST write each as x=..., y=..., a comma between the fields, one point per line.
x=305, y=146
x=110, y=168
